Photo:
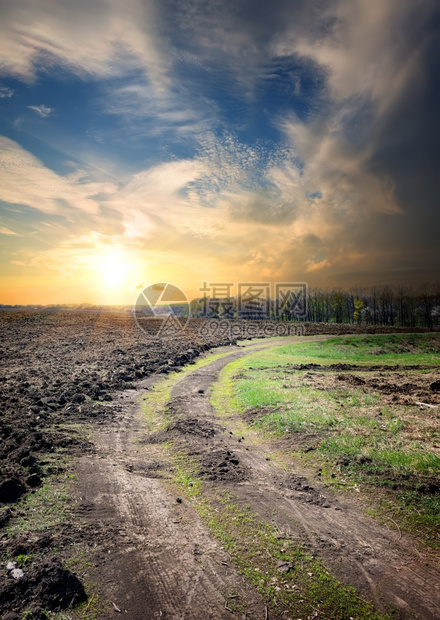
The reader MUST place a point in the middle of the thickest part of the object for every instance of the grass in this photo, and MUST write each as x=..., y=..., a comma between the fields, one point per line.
x=308, y=589
x=45, y=508
x=354, y=434
x=185, y=471
x=390, y=349
x=91, y=609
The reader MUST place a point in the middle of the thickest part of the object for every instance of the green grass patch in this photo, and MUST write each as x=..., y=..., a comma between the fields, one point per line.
x=402, y=349
x=375, y=450
x=94, y=607
x=185, y=471
x=45, y=508
x=357, y=435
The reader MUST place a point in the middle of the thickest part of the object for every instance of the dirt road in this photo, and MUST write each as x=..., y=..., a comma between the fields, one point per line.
x=156, y=558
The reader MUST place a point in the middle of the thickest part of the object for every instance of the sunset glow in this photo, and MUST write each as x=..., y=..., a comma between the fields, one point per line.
x=113, y=269
x=144, y=142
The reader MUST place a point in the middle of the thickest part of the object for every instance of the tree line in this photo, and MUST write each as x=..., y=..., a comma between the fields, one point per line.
x=386, y=305
x=403, y=306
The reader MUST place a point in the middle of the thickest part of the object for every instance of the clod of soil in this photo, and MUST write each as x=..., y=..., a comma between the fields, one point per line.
x=253, y=415
x=10, y=490
x=48, y=585
x=158, y=437
x=305, y=492
x=193, y=426
x=284, y=567
x=222, y=465
x=33, y=481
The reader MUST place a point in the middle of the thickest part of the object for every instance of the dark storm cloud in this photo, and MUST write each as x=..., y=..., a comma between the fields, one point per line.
x=378, y=137
x=407, y=137
x=405, y=146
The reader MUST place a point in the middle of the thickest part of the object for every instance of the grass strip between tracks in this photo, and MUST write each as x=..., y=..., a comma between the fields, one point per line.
x=261, y=552
x=155, y=400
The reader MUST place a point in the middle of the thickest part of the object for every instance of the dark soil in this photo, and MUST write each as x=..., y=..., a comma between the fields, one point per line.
x=62, y=371
x=44, y=586
x=305, y=492
x=406, y=385
x=192, y=426
x=215, y=464
x=59, y=372
x=222, y=465
x=365, y=368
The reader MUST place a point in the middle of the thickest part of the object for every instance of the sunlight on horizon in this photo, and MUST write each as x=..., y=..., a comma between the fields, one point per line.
x=113, y=268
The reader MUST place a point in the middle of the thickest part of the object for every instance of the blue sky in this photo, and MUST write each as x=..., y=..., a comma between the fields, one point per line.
x=192, y=141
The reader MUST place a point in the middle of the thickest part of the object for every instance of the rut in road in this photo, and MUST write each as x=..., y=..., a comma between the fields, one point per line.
x=154, y=557
x=157, y=559
x=360, y=551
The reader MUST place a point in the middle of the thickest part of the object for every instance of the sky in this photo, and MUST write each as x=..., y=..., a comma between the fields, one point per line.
x=192, y=141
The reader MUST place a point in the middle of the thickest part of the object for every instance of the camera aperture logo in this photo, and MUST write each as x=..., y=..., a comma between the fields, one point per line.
x=255, y=308
x=162, y=310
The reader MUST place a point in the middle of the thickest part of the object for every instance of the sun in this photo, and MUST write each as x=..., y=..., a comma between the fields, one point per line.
x=113, y=268
x=115, y=271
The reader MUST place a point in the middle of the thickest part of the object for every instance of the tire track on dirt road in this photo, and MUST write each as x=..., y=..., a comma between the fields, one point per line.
x=153, y=556
x=360, y=551
x=158, y=559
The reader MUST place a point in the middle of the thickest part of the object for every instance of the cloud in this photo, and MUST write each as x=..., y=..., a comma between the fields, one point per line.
x=41, y=110
x=25, y=180
x=7, y=231
x=351, y=186
x=372, y=150
x=235, y=41
x=5, y=92
x=203, y=217
x=147, y=112
x=338, y=171
x=98, y=38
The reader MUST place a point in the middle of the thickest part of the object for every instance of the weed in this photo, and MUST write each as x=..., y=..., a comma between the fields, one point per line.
x=93, y=608
x=186, y=478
